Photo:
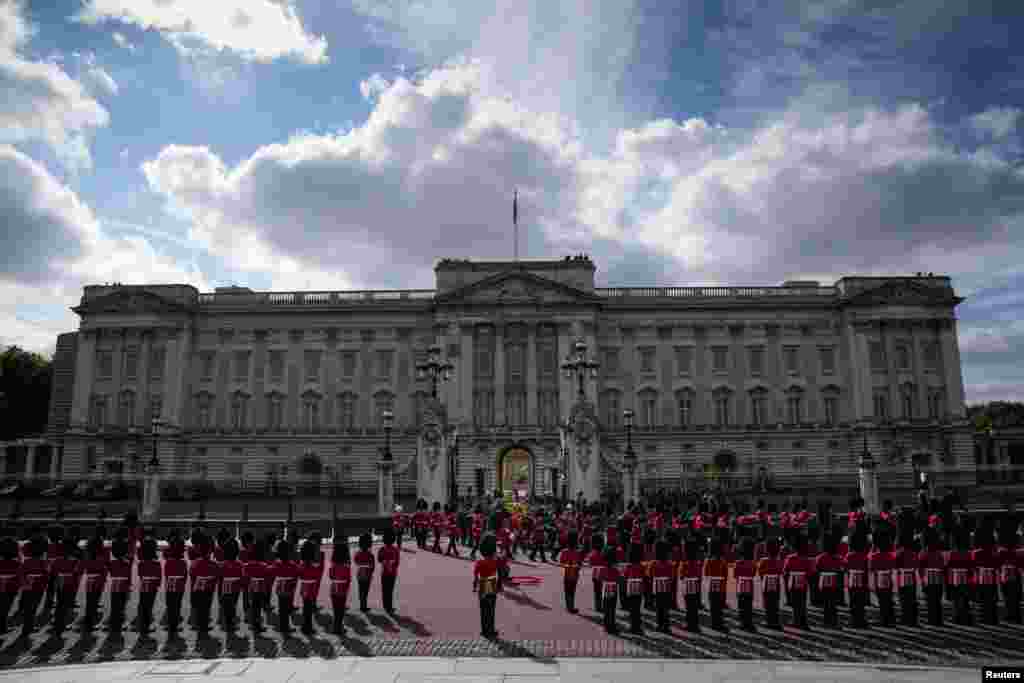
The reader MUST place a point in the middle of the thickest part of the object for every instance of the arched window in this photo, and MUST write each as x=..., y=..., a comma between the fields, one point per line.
x=382, y=400
x=758, y=406
x=239, y=410
x=347, y=402
x=127, y=408
x=648, y=408
x=275, y=411
x=311, y=411
x=684, y=406
x=794, y=406
x=611, y=408
x=723, y=399
x=908, y=400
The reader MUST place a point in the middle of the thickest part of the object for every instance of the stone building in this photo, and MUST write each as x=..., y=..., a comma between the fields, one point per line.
x=731, y=386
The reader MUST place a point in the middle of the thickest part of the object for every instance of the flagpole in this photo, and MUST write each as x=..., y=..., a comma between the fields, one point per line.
x=515, y=223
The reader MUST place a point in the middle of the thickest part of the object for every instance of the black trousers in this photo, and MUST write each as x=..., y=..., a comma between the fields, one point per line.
x=908, y=606
x=771, y=609
x=488, y=606
x=29, y=605
x=437, y=541
x=693, y=612
x=92, y=609
x=746, y=605
x=229, y=611
x=364, y=593
x=537, y=547
x=858, y=606
x=830, y=607
x=610, y=607
x=798, y=601
x=62, y=610
x=886, y=614
x=146, y=601
x=662, y=606
x=962, y=615
x=338, y=610
x=716, y=600
x=256, y=600
x=6, y=600
x=933, y=597
x=202, y=604
x=598, y=607
x=174, y=600
x=387, y=589
x=118, y=603
x=285, y=607
x=988, y=597
x=634, y=605
x=453, y=547
x=570, y=594
x=308, y=610
x=1011, y=598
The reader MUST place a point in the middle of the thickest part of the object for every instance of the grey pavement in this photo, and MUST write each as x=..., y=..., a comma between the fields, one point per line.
x=484, y=670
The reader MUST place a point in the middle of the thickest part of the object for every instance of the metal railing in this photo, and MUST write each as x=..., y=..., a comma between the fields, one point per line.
x=712, y=292
x=313, y=298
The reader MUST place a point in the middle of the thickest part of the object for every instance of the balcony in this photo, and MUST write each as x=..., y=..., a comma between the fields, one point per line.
x=712, y=292
x=312, y=299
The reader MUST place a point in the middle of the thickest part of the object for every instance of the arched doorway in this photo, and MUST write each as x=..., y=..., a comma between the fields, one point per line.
x=310, y=470
x=515, y=472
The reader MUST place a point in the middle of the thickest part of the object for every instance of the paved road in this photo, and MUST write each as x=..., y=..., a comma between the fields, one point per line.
x=437, y=615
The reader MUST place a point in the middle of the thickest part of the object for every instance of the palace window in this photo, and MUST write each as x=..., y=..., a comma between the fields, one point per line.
x=756, y=361
x=131, y=363
x=548, y=408
x=903, y=357
x=239, y=410
x=90, y=458
x=722, y=400
x=831, y=403
x=157, y=358
x=98, y=411
x=483, y=356
x=684, y=360
x=515, y=354
x=127, y=409
x=684, y=405
x=647, y=360
x=758, y=403
x=611, y=408
x=794, y=406
x=930, y=353
x=204, y=410
x=384, y=365
x=720, y=359
x=548, y=360
x=347, y=410
x=790, y=357
x=936, y=411
x=515, y=408
x=312, y=366
x=348, y=364
x=827, y=355
x=208, y=358
x=648, y=408
x=277, y=366
x=876, y=351
x=241, y=366
x=610, y=362
x=104, y=364
x=908, y=398
x=311, y=411
x=382, y=401
x=483, y=407
x=880, y=397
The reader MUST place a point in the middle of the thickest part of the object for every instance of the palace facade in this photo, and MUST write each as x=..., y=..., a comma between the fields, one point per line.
x=738, y=387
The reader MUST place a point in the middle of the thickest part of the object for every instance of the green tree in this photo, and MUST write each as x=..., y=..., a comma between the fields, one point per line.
x=25, y=381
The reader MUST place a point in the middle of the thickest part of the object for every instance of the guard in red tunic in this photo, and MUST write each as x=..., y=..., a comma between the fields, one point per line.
x=64, y=573
x=175, y=580
x=389, y=558
x=959, y=576
x=828, y=565
x=398, y=523
x=120, y=584
x=796, y=570
x=54, y=552
x=690, y=578
x=881, y=562
x=1009, y=570
x=570, y=561
x=10, y=577
x=452, y=526
x=932, y=561
x=744, y=570
x=769, y=569
x=34, y=580
x=286, y=579
x=906, y=576
x=310, y=572
x=341, y=580
x=504, y=538
x=634, y=580
x=597, y=565
x=676, y=556
x=716, y=569
x=421, y=524
x=205, y=574
x=986, y=569
x=232, y=584
x=610, y=591
x=856, y=566
x=650, y=557
x=365, y=565
x=537, y=539
x=150, y=577
x=437, y=523
x=662, y=572
x=259, y=578
x=487, y=585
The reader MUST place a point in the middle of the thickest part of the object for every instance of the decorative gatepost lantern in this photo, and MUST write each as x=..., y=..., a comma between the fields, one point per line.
x=386, y=489
x=868, y=479
x=629, y=461
x=582, y=467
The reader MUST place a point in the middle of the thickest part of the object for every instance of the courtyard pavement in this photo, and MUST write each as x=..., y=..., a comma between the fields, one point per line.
x=438, y=617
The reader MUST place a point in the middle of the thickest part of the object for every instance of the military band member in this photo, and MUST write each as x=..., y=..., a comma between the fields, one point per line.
x=340, y=575
x=933, y=571
x=691, y=579
x=570, y=561
x=827, y=567
x=856, y=565
x=120, y=584
x=634, y=581
x=797, y=570
x=959, y=576
x=986, y=568
x=389, y=558
x=150, y=577
x=597, y=562
x=662, y=572
x=487, y=584
x=881, y=562
x=65, y=573
x=906, y=576
x=610, y=590
x=365, y=565
x=769, y=570
x=1010, y=570
x=232, y=585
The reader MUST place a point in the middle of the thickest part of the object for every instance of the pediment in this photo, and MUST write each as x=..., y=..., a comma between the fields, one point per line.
x=903, y=293
x=137, y=301
x=517, y=287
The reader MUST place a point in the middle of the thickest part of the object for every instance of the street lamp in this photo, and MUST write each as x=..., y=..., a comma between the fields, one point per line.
x=630, y=457
x=154, y=462
x=434, y=369
x=453, y=463
x=577, y=363
x=388, y=418
x=564, y=474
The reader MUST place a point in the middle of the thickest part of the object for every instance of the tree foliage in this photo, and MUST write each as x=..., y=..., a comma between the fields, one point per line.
x=996, y=415
x=25, y=382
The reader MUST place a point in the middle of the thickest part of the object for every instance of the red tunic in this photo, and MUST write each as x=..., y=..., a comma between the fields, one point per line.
x=770, y=571
x=717, y=571
x=258, y=576
x=364, y=565
x=10, y=576
x=421, y=520
x=744, y=571
x=797, y=570
x=390, y=558
x=120, y=576
x=570, y=560
x=960, y=569
x=452, y=521
x=609, y=582
x=598, y=564
x=245, y=553
x=828, y=567
x=691, y=573
x=64, y=570
x=881, y=565
x=931, y=567
x=906, y=567
x=634, y=575
x=485, y=574
x=150, y=576
x=309, y=581
x=232, y=577
x=341, y=579
x=175, y=574
x=437, y=521
x=34, y=575
x=986, y=566
x=662, y=572
x=398, y=521
x=612, y=536
x=856, y=571
x=95, y=572
x=286, y=574
x=205, y=574
x=1009, y=565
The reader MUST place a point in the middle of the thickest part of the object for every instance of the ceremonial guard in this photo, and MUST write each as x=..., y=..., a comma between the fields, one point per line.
x=476, y=532
x=1010, y=570
x=662, y=572
x=650, y=538
x=205, y=575
x=259, y=576
x=986, y=567
x=716, y=569
x=906, y=574
x=744, y=571
x=34, y=580
x=286, y=578
x=398, y=524
x=437, y=521
x=389, y=558
x=341, y=580
x=487, y=584
x=597, y=563
x=570, y=561
x=797, y=569
x=120, y=584
x=634, y=579
x=827, y=566
x=537, y=539
x=856, y=566
x=65, y=571
x=609, y=590
x=881, y=562
x=960, y=575
x=691, y=578
x=364, y=569
x=232, y=584
x=676, y=556
x=933, y=573
x=452, y=523
x=10, y=578
x=421, y=524
x=150, y=578
x=54, y=552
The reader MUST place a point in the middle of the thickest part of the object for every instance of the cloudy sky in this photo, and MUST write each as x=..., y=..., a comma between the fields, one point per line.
x=335, y=144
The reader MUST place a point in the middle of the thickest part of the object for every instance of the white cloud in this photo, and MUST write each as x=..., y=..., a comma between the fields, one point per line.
x=983, y=340
x=41, y=101
x=101, y=80
x=373, y=86
x=996, y=122
x=119, y=38
x=257, y=30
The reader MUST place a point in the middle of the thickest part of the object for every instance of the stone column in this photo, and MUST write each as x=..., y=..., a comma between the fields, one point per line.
x=869, y=484
x=145, y=348
x=567, y=391
x=30, y=460
x=532, y=416
x=499, y=373
x=385, y=488
x=464, y=374
x=179, y=350
x=862, y=374
x=84, y=368
x=952, y=370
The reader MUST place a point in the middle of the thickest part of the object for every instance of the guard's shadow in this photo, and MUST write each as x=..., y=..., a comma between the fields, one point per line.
x=48, y=648
x=112, y=646
x=321, y=647
x=295, y=647
x=145, y=647
x=523, y=599
x=209, y=647
x=512, y=649
x=236, y=645
x=264, y=647
x=358, y=623
x=175, y=647
x=355, y=646
x=382, y=622
x=82, y=647
x=409, y=624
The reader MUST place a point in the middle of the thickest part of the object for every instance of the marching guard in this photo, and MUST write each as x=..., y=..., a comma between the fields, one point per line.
x=1010, y=570
x=150, y=577
x=570, y=561
x=881, y=562
x=933, y=572
x=487, y=585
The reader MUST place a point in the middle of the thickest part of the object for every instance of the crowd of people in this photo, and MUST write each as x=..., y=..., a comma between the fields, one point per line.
x=655, y=557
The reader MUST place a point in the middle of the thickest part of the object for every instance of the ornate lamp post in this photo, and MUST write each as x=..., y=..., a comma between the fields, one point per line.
x=868, y=479
x=385, y=494
x=629, y=460
x=453, y=464
x=563, y=476
x=434, y=369
x=150, y=489
x=577, y=363
x=388, y=419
